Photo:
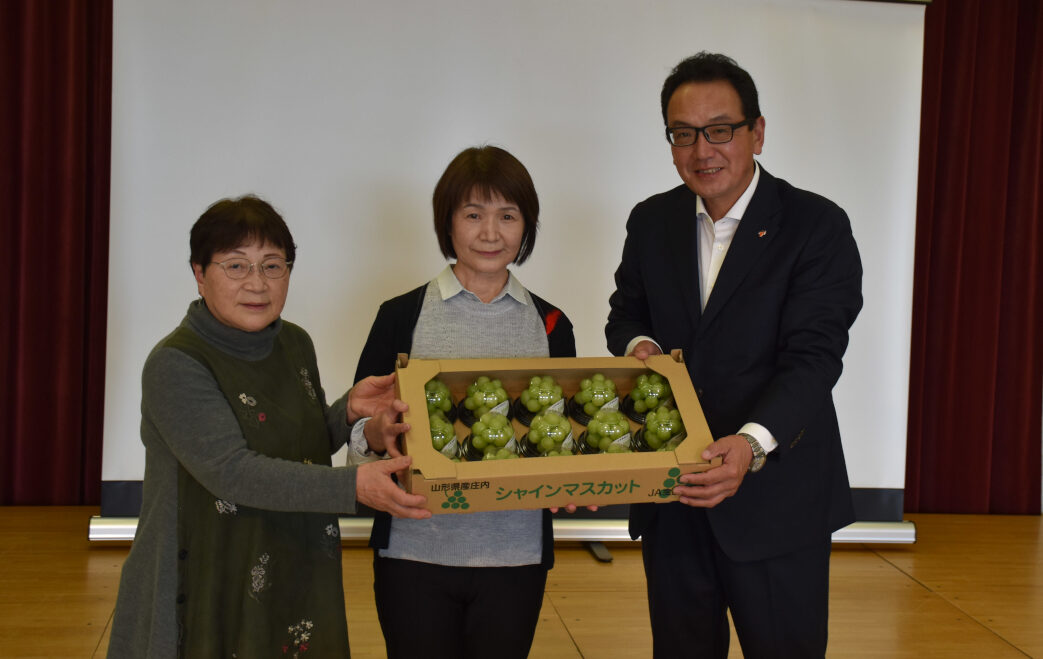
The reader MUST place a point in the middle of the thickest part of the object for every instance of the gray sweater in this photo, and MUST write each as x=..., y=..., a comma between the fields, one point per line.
x=454, y=323
x=186, y=419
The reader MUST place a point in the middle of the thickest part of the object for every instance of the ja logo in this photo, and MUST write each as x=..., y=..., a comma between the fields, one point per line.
x=669, y=483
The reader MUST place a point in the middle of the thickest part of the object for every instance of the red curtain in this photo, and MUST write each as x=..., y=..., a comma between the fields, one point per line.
x=55, y=116
x=976, y=377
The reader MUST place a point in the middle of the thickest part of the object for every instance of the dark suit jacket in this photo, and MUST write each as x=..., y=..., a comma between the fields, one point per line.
x=766, y=349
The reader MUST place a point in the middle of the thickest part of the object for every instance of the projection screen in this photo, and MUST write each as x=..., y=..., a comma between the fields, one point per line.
x=344, y=113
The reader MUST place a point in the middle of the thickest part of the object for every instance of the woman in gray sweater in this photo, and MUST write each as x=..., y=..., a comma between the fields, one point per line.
x=478, y=579
x=237, y=551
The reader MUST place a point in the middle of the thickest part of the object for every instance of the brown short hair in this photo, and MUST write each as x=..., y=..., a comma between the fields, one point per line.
x=229, y=223
x=485, y=170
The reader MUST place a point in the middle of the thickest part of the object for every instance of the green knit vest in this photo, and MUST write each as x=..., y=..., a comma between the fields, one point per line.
x=261, y=583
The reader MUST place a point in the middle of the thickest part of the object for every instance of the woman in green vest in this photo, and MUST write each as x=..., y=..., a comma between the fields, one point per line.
x=237, y=552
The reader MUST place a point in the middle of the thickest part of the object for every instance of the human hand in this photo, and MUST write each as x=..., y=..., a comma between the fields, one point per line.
x=374, y=487
x=645, y=349
x=571, y=508
x=370, y=396
x=383, y=429
x=709, y=488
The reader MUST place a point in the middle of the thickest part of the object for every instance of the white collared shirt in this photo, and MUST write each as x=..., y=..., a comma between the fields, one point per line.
x=714, y=240
x=449, y=285
x=716, y=237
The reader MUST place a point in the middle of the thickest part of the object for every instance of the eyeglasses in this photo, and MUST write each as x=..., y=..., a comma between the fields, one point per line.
x=239, y=268
x=714, y=133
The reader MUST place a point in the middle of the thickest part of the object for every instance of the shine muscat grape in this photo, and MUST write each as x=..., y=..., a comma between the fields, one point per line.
x=594, y=392
x=442, y=431
x=483, y=395
x=606, y=427
x=490, y=434
x=649, y=391
x=547, y=431
x=662, y=425
x=541, y=393
x=438, y=397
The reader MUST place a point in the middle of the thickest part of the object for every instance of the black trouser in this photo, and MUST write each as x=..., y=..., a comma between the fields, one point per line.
x=780, y=605
x=437, y=611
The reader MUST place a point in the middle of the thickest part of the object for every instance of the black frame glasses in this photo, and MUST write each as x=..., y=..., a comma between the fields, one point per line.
x=713, y=134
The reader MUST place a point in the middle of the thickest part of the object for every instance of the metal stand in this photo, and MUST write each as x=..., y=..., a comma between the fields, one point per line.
x=599, y=550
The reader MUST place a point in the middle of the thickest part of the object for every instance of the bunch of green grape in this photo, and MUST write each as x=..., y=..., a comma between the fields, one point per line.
x=662, y=425
x=491, y=432
x=541, y=393
x=499, y=454
x=547, y=431
x=594, y=392
x=606, y=427
x=442, y=431
x=483, y=395
x=438, y=397
x=649, y=391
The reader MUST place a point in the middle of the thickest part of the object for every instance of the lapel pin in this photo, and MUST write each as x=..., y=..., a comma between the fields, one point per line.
x=761, y=233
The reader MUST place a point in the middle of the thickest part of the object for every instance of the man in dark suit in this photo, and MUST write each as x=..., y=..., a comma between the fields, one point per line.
x=758, y=283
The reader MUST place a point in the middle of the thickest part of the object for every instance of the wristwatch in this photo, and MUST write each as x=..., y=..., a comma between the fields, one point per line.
x=759, y=457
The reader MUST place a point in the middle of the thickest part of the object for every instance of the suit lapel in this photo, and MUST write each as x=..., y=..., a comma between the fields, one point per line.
x=682, y=244
x=759, y=226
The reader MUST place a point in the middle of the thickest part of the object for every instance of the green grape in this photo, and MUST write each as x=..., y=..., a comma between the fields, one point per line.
x=650, y=389
x=484, y=394
x=438, y=396
x=548, y=430
x=541, y=393
x=594, y=392
x=441, y=431
x=606, y=427
x=491, y=430
x=661, y=425
x=499, y=454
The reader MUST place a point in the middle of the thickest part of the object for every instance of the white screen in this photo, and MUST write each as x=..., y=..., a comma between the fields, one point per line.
x=343, y=114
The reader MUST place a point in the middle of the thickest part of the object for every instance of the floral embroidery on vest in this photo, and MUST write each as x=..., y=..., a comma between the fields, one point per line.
x=300, y=634
x=259, y=581
x=331, y=541
x=306, y=383
x=226, y=507
x=248, y=414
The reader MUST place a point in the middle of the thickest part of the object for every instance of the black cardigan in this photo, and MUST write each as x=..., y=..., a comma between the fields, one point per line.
x=392, y=333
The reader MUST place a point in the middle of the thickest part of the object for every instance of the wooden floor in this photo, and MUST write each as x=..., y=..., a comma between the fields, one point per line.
x=972, y=586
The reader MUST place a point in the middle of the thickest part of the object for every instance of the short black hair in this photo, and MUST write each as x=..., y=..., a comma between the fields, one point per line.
x=710, y=67
x=229, y=223
x=485, y=170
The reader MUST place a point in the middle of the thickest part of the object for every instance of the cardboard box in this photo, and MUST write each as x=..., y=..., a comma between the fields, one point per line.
x=542, y=482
